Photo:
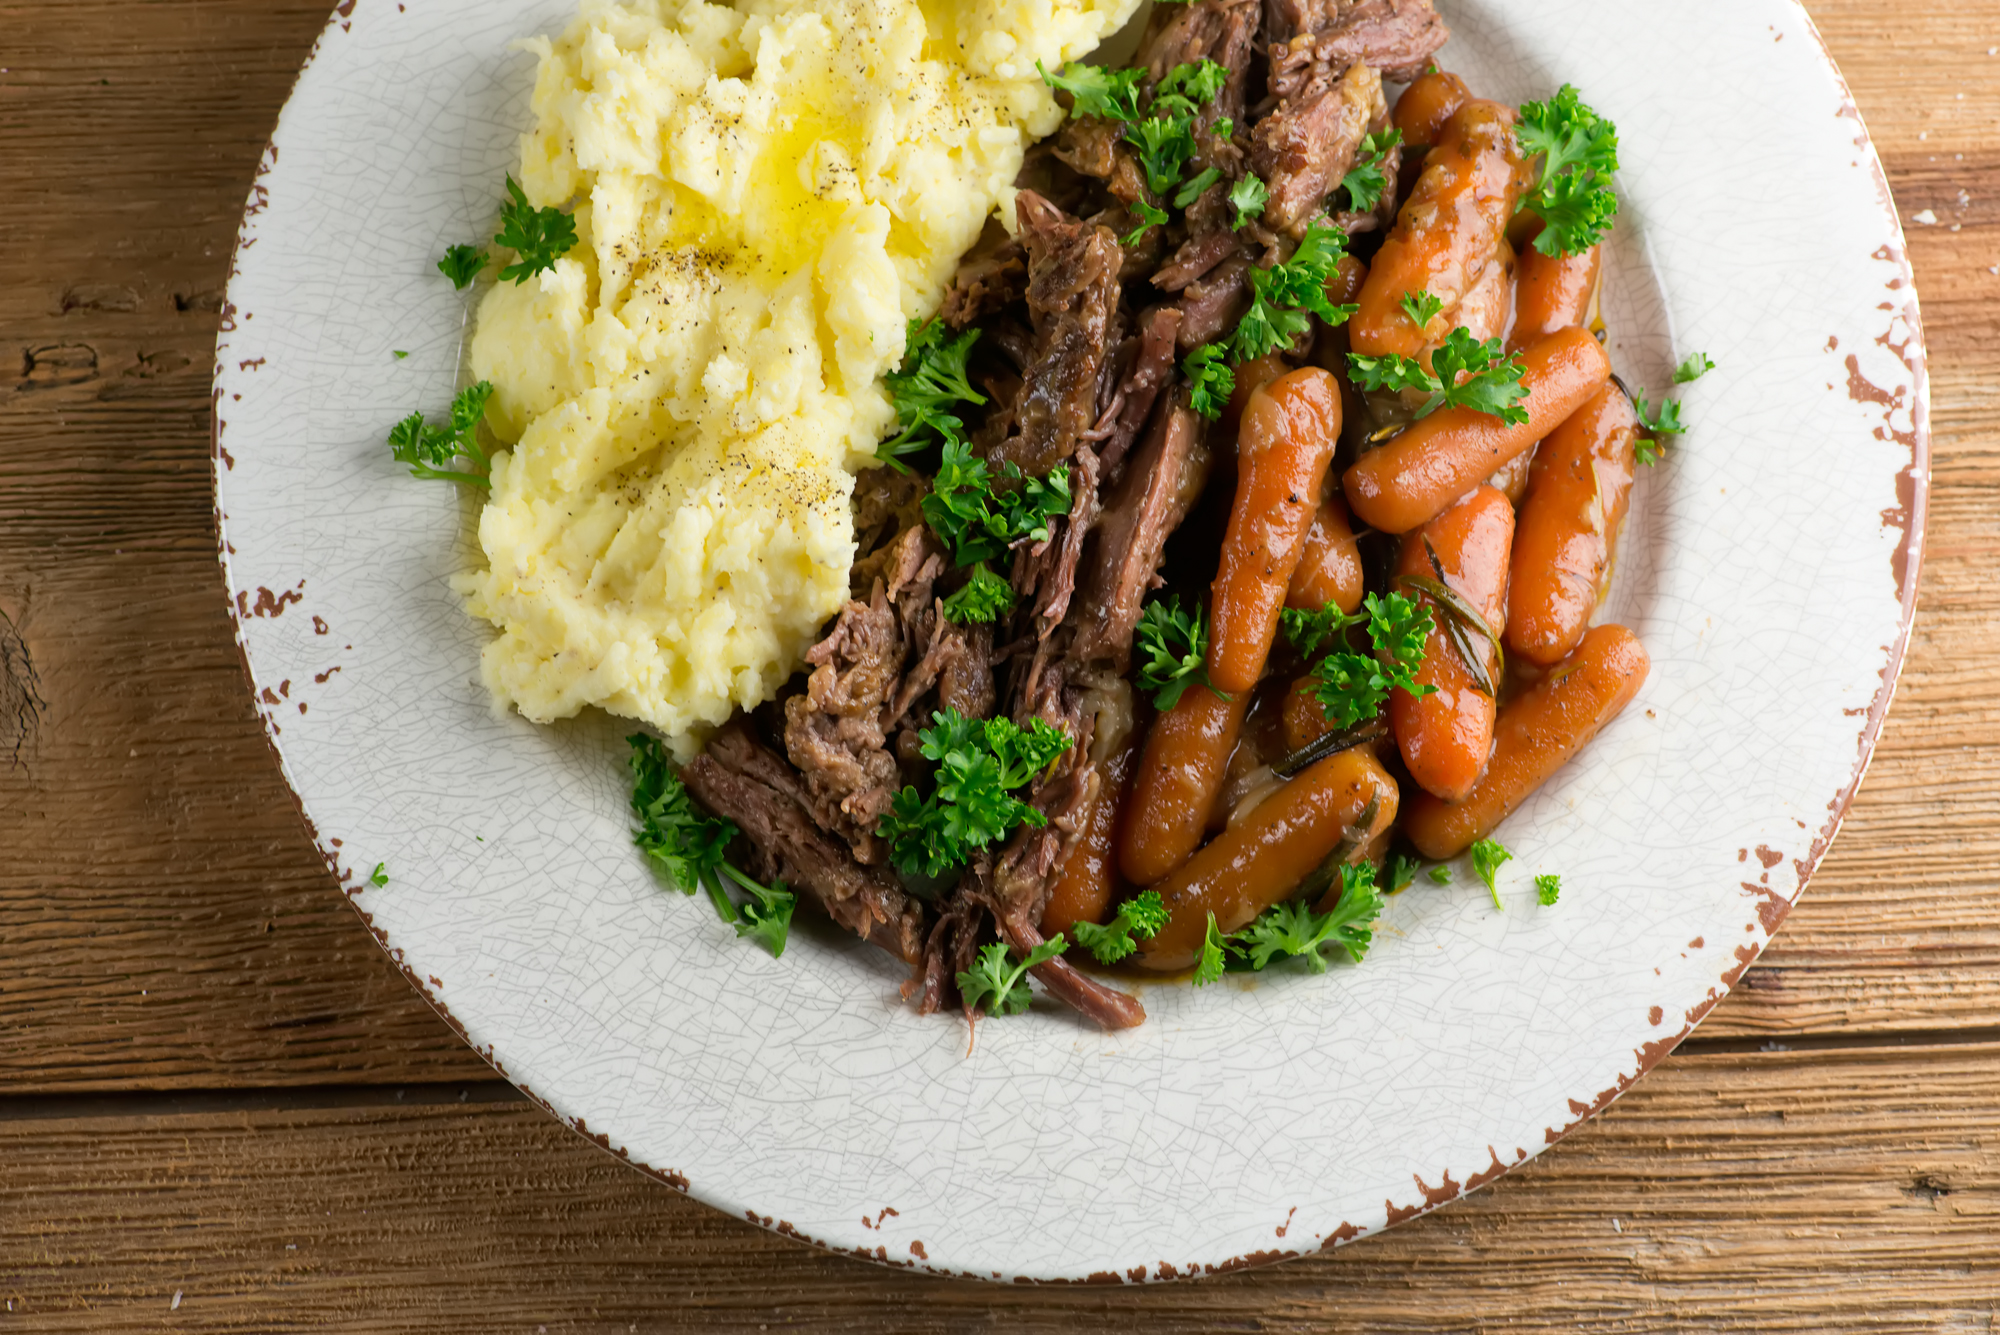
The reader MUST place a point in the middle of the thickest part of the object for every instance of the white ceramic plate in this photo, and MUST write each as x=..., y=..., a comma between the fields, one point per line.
x=1770, y=567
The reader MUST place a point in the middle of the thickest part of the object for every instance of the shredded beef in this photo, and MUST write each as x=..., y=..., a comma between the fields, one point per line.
x=1211, y=307
x=739, y=778
x=1305, y=147
x=1317, y=40
x=1149, y=370
x=1224, y=31
x=1140, y=514
x=1072, y=298
x=837, y=733
x=987, y=284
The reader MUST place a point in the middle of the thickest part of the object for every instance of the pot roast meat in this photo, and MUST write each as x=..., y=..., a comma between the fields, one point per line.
x=1224, y=31
x=1158, y=489
x=737, y=777
x=1151, y=369
x=1212, y=307
x=837, y=732
x=1307, y=145
x=1072, y=297
x=1317, y=40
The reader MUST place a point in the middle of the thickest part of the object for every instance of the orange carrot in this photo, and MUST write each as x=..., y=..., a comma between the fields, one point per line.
x=1416, y=475
x=1577, y=494
x=1537, y=734
x=1290, y=429
x=1445, y=736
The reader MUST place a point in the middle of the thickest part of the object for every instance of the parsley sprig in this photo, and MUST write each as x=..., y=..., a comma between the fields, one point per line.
x=984, y=597
x=1548, y=889
x=1354, y=686
x=1174, y=646
x=1422, y=307
x=431, y=450
x=1248, y=197
x=690, y=849
x=1284, y=296
x=1095, y=91
x=927, y=389
x=1141, y=916
x=1466, y=373
x=1149, y=218
x=1211, y=382
x=462, y=264
x=1294, y=929
x=1000, y=984
x=1579, y=155
x=1366, y=180
x=980, y=765
x=538, y=237
x=1487, y=858
x=980, y=521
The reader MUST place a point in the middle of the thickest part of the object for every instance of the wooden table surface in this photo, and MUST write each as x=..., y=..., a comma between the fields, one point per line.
x=222, y=1109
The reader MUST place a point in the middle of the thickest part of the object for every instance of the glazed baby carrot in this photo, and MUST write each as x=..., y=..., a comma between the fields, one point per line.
x=1173, y=791
x=1329, y=569
x=1286, y=442
x=1553, y=293
x=1416, y=475
x=1426, y=105
x=1265, y=856
x=1445, y=735
x=1577, y=494
x=1448, y=234
x=1536, y=735
x=1088, y=881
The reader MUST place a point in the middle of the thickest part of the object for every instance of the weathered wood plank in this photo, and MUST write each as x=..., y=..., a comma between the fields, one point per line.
x=174, y=926
x=1857, y=1190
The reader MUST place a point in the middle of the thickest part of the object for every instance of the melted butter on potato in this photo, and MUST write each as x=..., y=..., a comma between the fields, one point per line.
x=764, y=194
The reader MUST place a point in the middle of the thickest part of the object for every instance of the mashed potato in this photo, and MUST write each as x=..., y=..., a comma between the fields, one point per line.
x=764, y=194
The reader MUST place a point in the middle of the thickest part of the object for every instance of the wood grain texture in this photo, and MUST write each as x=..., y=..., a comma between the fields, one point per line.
x=166, y=925
x=1780, y=1193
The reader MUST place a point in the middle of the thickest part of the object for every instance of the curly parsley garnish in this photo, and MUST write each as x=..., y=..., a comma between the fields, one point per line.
x=1174, y=646
x=927, y=389
x=1491, y=382
x=462, y=264
x=689, y=849
x=1149, y=218
x=1547, y=888
x=1213, y=957
x=538, y=237
x=1211, y=382
x=1655, y=425
x=985, y=597
x=1294, y=930
x=1422, y=308
x=1141, y=916
x=1165, y=145
x=1354, y=686
x=980, y=764
x=1247, y=197
x=980, y=522
x=1366, y=181
x=1487, y=857
x=1693, y=369
x=1191, y=85
x=1000, y=984
x=1285, y=296
x=1111, y=95
x=1579, y=154
x=430, y=450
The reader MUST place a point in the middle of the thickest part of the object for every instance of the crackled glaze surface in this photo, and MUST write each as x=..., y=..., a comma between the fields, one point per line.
x=1770, y=568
